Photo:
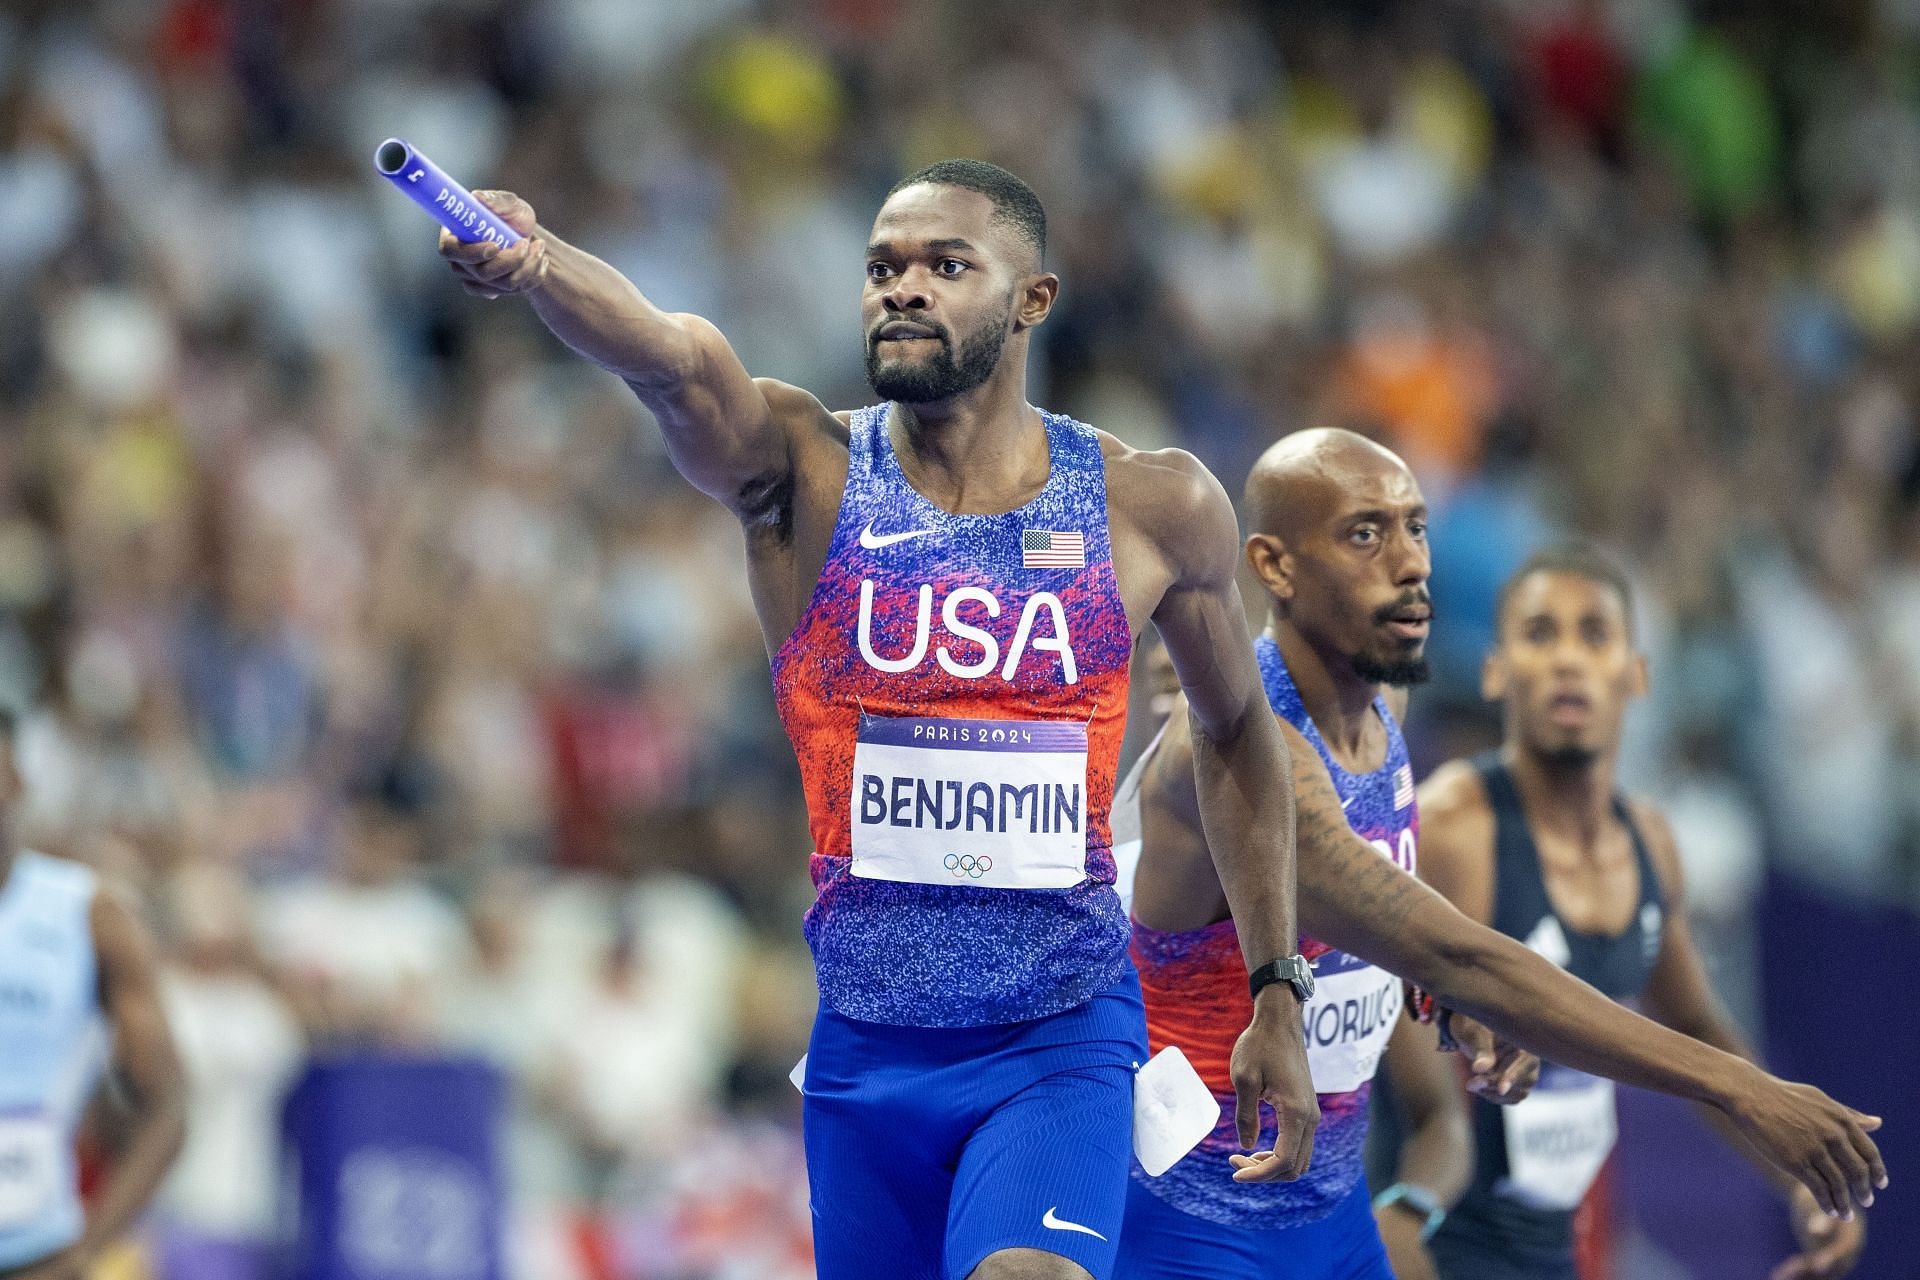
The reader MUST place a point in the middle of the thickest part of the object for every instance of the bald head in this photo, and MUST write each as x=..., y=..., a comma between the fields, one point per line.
x=1304, y=477
x=1339, y=540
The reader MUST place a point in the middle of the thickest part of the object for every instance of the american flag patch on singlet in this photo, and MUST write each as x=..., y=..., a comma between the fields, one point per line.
x=1045, y=549
x=1403, y=786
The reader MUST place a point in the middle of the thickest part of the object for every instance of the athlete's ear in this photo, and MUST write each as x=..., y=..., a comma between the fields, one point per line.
x=1493, y=677
x=1036, y=300
x=1272, y=564
x=1642, y=677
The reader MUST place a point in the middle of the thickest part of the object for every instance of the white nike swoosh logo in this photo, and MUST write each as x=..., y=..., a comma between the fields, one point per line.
x=874, y=541
x=1048, y=1220
x=1347, y=803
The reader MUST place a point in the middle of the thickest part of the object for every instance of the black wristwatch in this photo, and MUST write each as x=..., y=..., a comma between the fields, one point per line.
x=1292, y=970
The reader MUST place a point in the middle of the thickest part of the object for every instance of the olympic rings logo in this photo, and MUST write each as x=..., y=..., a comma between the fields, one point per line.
x=965, y=864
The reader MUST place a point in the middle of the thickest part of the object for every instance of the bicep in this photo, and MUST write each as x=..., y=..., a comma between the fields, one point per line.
x=1201, y=616
x=723, y=428
x=1350, y=896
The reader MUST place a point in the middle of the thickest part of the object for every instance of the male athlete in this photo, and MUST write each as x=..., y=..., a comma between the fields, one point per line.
x=1535, y=841
x=1353, y=1010
x=1340, y=544
x=72, y=958
x=950, y=585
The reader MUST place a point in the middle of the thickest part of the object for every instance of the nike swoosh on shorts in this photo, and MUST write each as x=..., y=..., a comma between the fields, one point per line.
x=1048, y=1220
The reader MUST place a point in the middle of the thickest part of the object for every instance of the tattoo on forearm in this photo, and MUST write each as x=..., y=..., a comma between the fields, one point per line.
x=1351, y=872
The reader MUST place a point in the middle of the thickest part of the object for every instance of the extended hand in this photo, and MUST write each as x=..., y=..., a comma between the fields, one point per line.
x=1270, y=1066
x=1499, y=1071
x=1829, y=1247
x=1822, y=1144
x=488, y=270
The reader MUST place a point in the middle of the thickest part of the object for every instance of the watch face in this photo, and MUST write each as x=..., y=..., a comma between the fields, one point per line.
x=1300, y=973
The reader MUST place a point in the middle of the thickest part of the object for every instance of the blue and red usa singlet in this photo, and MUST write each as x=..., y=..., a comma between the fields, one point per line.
x=1195, y=986
x=956, y=694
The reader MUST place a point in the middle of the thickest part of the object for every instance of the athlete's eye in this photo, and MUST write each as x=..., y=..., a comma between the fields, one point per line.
x=949, y=267
x=1538, y=631
x=1418, y=528
x=1364, y=534
x=878, y=271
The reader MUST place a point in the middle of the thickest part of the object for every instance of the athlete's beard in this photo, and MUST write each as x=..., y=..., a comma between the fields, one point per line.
x=1568, y=755
x=1397, y=674
x=944, y=375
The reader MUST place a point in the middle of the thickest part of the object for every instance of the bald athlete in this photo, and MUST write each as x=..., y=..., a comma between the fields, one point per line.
x=1195, y=1220
x=1535, y=841
x=1340, y=545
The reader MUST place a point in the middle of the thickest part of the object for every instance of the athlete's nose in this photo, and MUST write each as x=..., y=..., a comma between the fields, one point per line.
x=905, y=297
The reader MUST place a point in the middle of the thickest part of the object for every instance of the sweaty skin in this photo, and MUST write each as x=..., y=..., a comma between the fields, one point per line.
x=1352, y=898
x=1563, y=670
x=941, y=271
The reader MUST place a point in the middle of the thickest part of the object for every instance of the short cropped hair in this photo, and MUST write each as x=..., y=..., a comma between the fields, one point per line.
x=1013, y=200
x=1576, y=559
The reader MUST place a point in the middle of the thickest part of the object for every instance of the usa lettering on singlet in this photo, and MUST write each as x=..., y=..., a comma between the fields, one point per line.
x=1195, y=987
x=956, y=693
x=52, y=1048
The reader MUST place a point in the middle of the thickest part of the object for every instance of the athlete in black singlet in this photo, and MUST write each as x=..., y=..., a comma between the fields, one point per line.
x=1535, y=841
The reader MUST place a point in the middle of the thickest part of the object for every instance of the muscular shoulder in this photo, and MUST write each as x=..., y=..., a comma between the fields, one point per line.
x=799, y=413
x=1172, y=501
x=1456, y=837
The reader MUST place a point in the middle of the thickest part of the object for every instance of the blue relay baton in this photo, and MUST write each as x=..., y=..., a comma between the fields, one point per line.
x=452, y=205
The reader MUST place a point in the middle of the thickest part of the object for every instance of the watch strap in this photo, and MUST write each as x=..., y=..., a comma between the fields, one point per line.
x=1417, y=1199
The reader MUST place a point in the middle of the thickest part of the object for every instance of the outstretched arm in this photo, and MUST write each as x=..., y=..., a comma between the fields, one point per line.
x=1245, y=806
x=719, y=428
x=1354, y=899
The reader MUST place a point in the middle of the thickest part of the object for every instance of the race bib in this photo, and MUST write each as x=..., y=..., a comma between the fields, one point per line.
x=29, y=1168
x=1557, y=1138
x=1348, y=1021
x=1001, y=804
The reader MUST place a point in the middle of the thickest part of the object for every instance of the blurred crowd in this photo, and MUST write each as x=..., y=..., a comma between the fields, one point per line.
x=371, y=639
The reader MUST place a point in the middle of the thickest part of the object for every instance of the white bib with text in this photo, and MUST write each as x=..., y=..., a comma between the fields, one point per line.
x=1000, y=804
x=1348, y=1021
x=1557, y=1138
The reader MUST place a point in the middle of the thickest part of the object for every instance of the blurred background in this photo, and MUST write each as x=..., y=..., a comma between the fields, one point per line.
x=372, y=640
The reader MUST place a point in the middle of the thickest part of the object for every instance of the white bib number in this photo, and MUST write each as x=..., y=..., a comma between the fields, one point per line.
x=1348, y=1021
x=29, y=1169
x=1001, y=804
x=1558, y=1138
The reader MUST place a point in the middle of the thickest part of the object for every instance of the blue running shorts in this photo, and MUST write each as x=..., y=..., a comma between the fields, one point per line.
x=929, y=1148
x=1165, y=1243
